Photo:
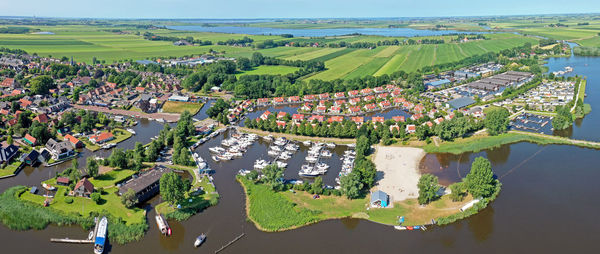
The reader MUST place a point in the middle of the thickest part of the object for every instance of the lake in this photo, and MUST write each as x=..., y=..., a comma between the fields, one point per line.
x=392, y=32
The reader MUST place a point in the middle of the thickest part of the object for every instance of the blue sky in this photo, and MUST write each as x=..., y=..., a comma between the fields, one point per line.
x=288, y=8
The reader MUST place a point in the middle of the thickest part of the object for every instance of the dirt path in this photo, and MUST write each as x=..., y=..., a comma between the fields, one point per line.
x=572, y=141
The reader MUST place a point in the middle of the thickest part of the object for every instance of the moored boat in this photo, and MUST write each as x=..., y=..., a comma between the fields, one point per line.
x=48, y=187
x=162, y=224
x=100, y=236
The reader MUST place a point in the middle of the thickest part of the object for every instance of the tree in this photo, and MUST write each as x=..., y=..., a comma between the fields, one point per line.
x=118, y=158
x=317, y=185
x=480, y=181
x=496, y=121
x=171, y=187
x=129, y=199
x=273, y=175
x=41, y=84
x=428, y=187
x=9, y=140
x=95, y=197
x=92, y=167
x=350, y=185
x=563, y=118
x=244, y=64
x=457, y=191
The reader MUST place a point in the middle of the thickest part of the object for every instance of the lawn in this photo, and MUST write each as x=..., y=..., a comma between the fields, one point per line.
x=112, y=177
x=180, y=106
x=10, y=168
x=269, y=69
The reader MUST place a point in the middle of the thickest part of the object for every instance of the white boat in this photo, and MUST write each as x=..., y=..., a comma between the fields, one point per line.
x=109, y=146
x=291, y=147
x=131, y=131
x=260, y=164
x=322, y=166
x=100, y=236
x=330, y=145
x=243, y=172
x=273, y=153
x=216, y=149
x=48, y=187
x=326, y=153
x=351, y=145
x=268, y=138
x=281, y=164
x=160, y=120
x=162, y=224
x=284, y=156
x=400, y=227
x=201, y=165
x=199, y=240
x=308, y=173
x=306, y=143
x=275, y=148
x=215, y=158
x=312, y=159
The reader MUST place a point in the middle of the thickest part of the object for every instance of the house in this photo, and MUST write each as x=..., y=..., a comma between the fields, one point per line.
x=7, y=153
x=370, y=107
x=398, y=118
x=278, y=100
x=335, y=109
x=353, y=93
x=338, y=119
x=377, y=119
x=42, y=118
x=379, y=199
x=359, y=120
x=9, y=82
x=309, y=97
x=383, y=95
x=354, y=101
x=385, y=104
x=30, y=140
x=102, y=137
x=265, y=115
x=63, y=181
x=59, y=150
x=379, y=89
x=354, y=110
x=339, y=102
x=298, y=118
x=321, y=109
x=74, y=141
x=411, y=128
x=83, y=188
x=339, y=95
x=31, y=158
x=369, y=98
x=281, y=114
x=324, y=96
x=316, y=117
x=306, y=107
x=294, y=99
x=262, y=101
x=280, y=124
x=366, y=91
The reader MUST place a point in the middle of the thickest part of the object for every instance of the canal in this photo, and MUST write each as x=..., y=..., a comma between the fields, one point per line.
x=547, y=204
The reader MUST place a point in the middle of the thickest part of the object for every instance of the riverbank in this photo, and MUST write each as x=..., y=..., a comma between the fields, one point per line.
x=280, y=211
x=483, y=141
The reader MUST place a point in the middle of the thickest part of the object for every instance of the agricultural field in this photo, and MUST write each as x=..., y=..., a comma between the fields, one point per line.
x=269, y=69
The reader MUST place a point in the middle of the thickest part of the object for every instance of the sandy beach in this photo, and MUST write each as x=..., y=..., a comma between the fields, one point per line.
x=398, y=171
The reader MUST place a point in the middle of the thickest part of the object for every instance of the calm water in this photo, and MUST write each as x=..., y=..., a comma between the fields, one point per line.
x=547, y=205
x=397, y=32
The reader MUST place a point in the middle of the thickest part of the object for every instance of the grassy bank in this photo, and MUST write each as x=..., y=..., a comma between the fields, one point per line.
x=278, y=211
x=17, y=213
x=193, y=202
x=11, y=168
x=180, y=106
x=481, y=142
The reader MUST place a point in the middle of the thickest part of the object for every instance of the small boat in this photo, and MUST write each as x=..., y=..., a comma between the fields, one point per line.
x=91, y=235
x=268, y=138
x=281, y=164
x=216, y=149
x=312, y=159
x=131, y=131
x=48, y=187
x=275, y=148
x=160, y=120
x=109, y=146
x=330, y=145
x=100, y=236
x=326, y=153
x=306, y=143
x=400, y=227
x=199, y=240
x=273, y=153
x=162, y=224
x=215, y=158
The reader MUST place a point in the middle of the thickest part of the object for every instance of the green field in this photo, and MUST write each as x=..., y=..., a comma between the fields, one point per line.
x=180, y=106
x=270, y=69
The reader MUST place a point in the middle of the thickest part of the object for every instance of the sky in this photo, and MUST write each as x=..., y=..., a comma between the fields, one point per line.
x=227, y=9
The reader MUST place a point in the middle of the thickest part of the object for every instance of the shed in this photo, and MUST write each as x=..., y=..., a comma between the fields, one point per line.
x=63, y=181
x=379, y=199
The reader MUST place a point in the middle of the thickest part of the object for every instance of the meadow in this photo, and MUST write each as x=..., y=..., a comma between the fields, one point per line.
x=269, y=69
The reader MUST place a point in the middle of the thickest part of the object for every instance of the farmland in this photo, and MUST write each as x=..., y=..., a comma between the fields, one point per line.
x=270, y=69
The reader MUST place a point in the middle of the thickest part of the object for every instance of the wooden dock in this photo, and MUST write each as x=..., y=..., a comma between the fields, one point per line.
x=67, y=240
x=230, y=243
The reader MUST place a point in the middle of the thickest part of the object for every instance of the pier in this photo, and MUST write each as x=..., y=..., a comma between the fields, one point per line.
x=78, y=241
x=230, y=243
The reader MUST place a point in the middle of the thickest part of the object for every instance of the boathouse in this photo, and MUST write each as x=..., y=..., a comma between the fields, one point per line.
x=146, y=185
x=379, y=199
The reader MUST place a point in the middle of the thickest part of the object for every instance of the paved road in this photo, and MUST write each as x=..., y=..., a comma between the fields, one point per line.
x=168, y=117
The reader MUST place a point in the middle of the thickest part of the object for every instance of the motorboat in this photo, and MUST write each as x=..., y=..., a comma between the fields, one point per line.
x=312, y=159
x=131, y=131
x=326, y=153
x=260, y=164
x=281, y=164
x=330, y=145
x=285, y=156
x=216, y=149
x=291, y=147
x=199, y=240
x=100, y=239
x=48, y=187
x=273, y=153
x=215, y=158
x=162, y=224
x=307, y=143
x=275, y=148
x=268, y=138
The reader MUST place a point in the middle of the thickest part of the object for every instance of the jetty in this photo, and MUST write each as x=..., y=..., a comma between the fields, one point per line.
x=230, y=243
x=78, y=241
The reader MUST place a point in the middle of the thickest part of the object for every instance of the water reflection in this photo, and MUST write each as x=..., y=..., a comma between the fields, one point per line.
x=350, y=223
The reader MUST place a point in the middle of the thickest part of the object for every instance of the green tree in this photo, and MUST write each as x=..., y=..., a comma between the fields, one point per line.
x=92, y=167
x=129, y=199
x=95, y=197
x=272, y=176
x=350, y=185
x=118, y=158
x=317, y=185
x=9, y=140
x=428, y=187
x=457, y=191
x=41, y=84
x=480, y=181
x=171, y=187
x=496, y=121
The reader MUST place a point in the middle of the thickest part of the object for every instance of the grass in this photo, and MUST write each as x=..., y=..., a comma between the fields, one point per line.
x=269, y=69
x=120, y=135
x=191, y=204
x=482, y=142
x=11, y=168
x=180, y=106
x=112, y=177
x=278, y=211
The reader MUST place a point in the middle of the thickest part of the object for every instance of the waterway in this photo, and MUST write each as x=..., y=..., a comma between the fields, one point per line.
x=320, y=32
x=547, y=204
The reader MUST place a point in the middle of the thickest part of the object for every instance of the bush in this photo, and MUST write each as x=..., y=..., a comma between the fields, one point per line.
x=95, y=197
x=69, y=200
